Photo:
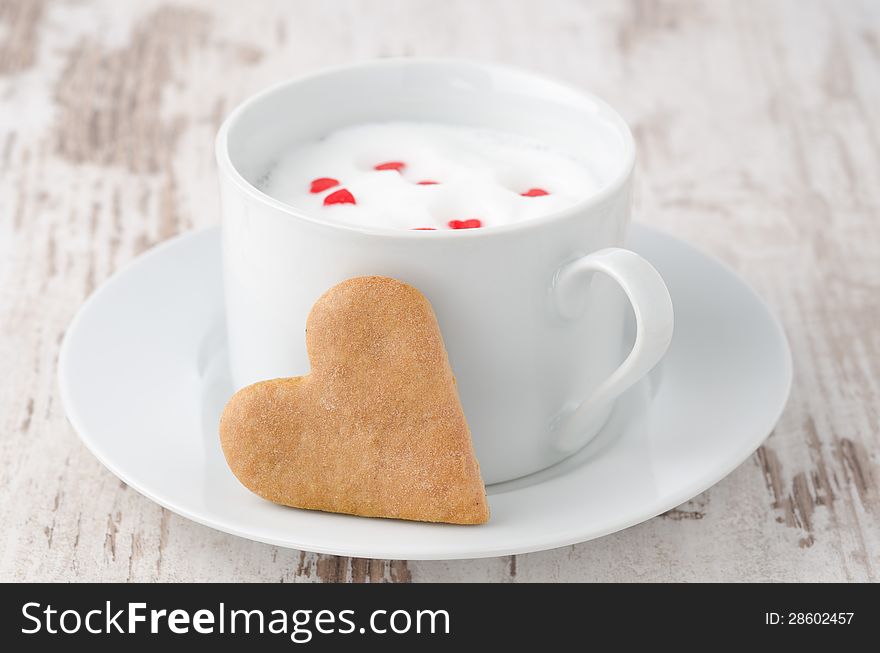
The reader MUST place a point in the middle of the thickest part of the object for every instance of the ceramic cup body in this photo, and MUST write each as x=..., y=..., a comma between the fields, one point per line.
x=534, y=337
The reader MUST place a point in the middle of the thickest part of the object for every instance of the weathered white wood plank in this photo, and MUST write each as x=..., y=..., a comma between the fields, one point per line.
x=758, y=141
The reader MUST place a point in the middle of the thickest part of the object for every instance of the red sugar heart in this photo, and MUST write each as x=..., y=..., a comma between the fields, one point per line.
x=473, y=223
x=534, y=192
x=391, y=165
x=341, y=196
x=427, y=182
x=424, y=229
x=322, y=183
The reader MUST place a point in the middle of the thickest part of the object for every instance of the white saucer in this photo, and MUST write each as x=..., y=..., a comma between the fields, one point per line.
x=143, y=379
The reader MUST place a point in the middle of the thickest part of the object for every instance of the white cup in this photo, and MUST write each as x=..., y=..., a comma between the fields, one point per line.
x=535, y=339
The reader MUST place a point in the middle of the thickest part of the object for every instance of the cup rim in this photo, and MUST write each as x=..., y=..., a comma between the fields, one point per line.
x=226, y=166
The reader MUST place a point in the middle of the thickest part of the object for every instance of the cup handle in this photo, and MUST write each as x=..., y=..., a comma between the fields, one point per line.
x=649, y=297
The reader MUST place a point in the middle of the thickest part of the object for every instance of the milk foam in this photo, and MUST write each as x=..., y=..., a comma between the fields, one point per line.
x=481, y=174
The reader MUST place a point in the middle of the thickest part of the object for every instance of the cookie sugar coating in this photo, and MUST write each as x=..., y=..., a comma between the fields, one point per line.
x=375, y=429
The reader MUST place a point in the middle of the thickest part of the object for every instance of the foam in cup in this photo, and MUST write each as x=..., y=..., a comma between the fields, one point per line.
x=419, y=175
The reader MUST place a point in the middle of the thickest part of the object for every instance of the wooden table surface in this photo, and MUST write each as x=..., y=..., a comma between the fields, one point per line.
x=759, y=140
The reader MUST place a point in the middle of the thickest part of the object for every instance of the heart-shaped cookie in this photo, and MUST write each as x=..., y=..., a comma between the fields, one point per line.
x=375, y=429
